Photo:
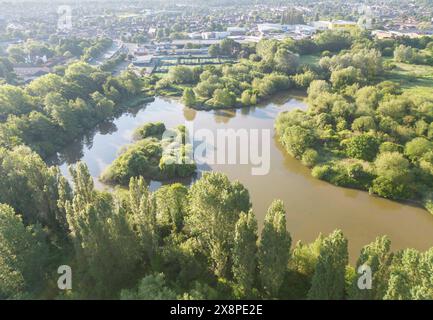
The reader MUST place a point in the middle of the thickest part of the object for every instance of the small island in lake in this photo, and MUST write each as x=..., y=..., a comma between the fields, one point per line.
x=158, y=154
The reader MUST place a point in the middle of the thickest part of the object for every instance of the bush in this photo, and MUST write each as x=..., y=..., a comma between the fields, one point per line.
x=351, y=175
x=154, y=157
x=390, y=147
x=310, y=157
x=417, y=147
x=297, y=140
x=303, y=80
x=364, y=147
x=364, y=124
x=323, y=172
x=386, y=188
x=153, y=129
x=428, y=203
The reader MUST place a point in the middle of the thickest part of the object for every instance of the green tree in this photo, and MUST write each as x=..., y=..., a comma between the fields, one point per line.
x=181, y=75
x=24, y=257
x=404, y=54
x=224, y=98
x=378, y=257
x=364, y=124
x=297, y=140
x=188, y=97
x=171, y=203
x=329, y=278
x=107, y=250
x=410, y=276
x=394, y=176
x=363, y=146
x=142, y=217
x=245, y=252
x=214, y=207
x=286, y=61
x=346, y=77
x=274, y=249
x=151, y=287
x=416, y=148
x=31, y=188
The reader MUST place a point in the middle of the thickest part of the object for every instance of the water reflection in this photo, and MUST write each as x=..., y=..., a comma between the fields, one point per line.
x=107, y=127
x=189, y=114
x=313, y=206
x=224, y=116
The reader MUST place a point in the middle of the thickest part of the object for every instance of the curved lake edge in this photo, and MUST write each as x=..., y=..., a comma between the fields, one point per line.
x=313, y=206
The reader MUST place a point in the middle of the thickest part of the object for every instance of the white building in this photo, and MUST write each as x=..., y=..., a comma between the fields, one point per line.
x=270, y=27
x=221, y=34
x=236, y=31
x=214, y=35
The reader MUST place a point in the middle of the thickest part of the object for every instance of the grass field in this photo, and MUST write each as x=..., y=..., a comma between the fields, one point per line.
x=309, y=59
x=414, y=79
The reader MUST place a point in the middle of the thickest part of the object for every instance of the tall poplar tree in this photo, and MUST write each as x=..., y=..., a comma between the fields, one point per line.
x=329, y=277
x=106, y=247
x=274, y=249
x=214, y=208
x=24, y=256
x=245, y=252
x=378, y=257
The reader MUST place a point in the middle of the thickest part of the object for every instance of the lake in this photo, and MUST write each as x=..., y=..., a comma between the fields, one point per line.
x=313, y=206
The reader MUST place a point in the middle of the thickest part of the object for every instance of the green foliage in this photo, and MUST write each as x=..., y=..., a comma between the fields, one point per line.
x=151, y=129
x=248, y=98
x=171, y=201
x=223, y=98
x=328, y=282
x=24, y=257
x=378, y=257
x=390, y=147
x=303, y=80
x=394, y=176
x=348, y=121
x=245, y=253
x=363, y=146
x=188, y=97
x=274, y=249
x=54, y=110
x=409, y=277
x=346, y=77
x=105, y=241
x=417, y=148
x=201, y=242
x=333, y=41
x=151, y=287
x=181, y=75
x=215, y=204
x=364, y=124
x=285, y=61
x=310, y=157
x=404, y=54
x=31, y=188
x=160, y=155
x=297, y=140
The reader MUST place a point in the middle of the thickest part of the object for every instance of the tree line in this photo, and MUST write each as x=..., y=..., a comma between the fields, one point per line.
x=362, y=132
x=55, y=109
x=177, y=243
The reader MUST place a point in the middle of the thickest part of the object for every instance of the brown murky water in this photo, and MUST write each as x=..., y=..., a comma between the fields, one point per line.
x=313, y=206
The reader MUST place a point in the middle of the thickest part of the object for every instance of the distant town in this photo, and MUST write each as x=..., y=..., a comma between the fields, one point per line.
x=150, y=37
